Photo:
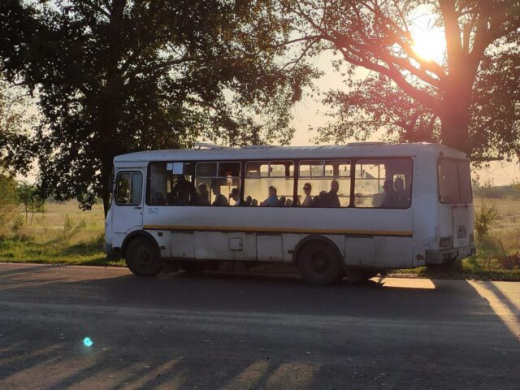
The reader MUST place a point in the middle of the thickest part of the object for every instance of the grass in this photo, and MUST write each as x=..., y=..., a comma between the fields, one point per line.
x=64, y=234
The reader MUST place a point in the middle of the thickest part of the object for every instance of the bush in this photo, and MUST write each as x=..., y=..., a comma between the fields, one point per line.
x=68, y=226
x=485, y=217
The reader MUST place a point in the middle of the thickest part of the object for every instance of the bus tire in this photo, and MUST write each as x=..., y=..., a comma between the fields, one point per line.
x=142, y=257
x=192, y=267
x=319, y=264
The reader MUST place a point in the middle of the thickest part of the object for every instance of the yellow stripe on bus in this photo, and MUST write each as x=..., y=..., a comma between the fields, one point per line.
x=280, y=230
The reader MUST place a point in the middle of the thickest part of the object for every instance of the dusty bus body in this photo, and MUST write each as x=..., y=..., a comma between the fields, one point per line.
x=165, y=208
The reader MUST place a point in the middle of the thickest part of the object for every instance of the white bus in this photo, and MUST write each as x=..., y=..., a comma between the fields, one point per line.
x=333, y=211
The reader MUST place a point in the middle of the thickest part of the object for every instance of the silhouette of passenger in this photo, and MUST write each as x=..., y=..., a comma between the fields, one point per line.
x=390, y=200
x=235, y=195
x=332, y=196
x=220, y=200
x=272, y=200
x=203, y=195
x=307, y=201
x=403, y=199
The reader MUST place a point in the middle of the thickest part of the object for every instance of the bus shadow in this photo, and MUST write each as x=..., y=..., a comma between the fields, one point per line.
x=236, y=331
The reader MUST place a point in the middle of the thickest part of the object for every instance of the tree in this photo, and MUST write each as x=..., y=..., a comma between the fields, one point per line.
x=8, y=200
x=116, y=76
x=468, y=101
x=32, y=203
x=16, y=119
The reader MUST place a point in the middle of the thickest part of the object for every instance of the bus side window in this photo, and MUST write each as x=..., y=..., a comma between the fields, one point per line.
x=383, y=183
x=129, y=187
x=269, y=183
x=324, y=184
x=171, y=184
x=218, y=183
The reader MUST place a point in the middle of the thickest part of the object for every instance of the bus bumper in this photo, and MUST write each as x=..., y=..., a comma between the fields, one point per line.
x=443, y=256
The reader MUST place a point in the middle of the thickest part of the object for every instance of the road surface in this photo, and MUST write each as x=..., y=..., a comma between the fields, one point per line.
x=242, y=331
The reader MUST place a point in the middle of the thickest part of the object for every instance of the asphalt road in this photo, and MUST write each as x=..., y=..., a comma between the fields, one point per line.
x=243, y=332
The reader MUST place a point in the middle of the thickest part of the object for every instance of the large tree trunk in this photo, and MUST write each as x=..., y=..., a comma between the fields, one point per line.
x=454, y=110
x=455, y=129
x=111, y=100
x=107, y=189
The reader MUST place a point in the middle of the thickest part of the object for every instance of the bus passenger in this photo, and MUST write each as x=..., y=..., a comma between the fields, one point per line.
x=282, y=201
x=254, y=203
x=403, y=199
x=272, y=200
x=203, y=195
x=248, y=201
x=184, y=190
x=390, y=200
x=307, y=202
x=320, y=200
x=235, y=195
x=332, y=199
x=220, y=200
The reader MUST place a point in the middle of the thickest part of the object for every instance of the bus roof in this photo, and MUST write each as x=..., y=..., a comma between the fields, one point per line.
x=358, y=149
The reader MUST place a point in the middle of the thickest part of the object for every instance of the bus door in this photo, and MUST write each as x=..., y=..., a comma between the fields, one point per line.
x=127, y=212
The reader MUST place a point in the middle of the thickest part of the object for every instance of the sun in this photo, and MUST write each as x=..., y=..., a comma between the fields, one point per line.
x=430, y=45
x=429, y=41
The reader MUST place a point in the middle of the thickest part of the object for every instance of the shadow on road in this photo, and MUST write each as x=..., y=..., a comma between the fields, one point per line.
x=239, y=331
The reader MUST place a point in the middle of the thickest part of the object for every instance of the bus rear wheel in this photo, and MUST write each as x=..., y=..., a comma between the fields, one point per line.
x=319, y=264
x=142, y=257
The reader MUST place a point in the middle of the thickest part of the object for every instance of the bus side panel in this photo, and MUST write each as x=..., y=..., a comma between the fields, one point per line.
x=183, y=245
x=360, y=251
x=393, y=252
x=269, y=247
x=224, y=246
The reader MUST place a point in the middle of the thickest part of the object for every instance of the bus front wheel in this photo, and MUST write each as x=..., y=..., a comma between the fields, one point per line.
x=318, y=263
x=142, y=257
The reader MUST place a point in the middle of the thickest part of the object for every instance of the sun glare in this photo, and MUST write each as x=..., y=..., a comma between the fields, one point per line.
x=429, y=41
x=430, y=45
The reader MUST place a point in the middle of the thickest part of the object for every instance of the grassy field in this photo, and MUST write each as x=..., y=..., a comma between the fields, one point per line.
x=64, y=234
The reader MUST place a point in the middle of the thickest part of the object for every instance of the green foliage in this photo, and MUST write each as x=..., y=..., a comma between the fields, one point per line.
x=119, y=76
x=484, y=218
x=16, y=118
x=18, y=225
x=30, y=199
x=68, y=226
x=8, y=201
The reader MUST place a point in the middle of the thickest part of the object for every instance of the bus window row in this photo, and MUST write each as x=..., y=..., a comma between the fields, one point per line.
x=378, y=183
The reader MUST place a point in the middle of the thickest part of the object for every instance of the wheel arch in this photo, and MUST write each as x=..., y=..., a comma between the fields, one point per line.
x=136, y=234
x=317, y=238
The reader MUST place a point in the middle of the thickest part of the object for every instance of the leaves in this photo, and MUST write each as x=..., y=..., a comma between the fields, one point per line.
x=119, y=76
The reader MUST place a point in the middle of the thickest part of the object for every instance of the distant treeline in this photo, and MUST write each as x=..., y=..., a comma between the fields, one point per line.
x=496, y=192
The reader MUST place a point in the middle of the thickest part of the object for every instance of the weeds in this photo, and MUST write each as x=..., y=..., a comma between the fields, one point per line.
x=485, y=217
